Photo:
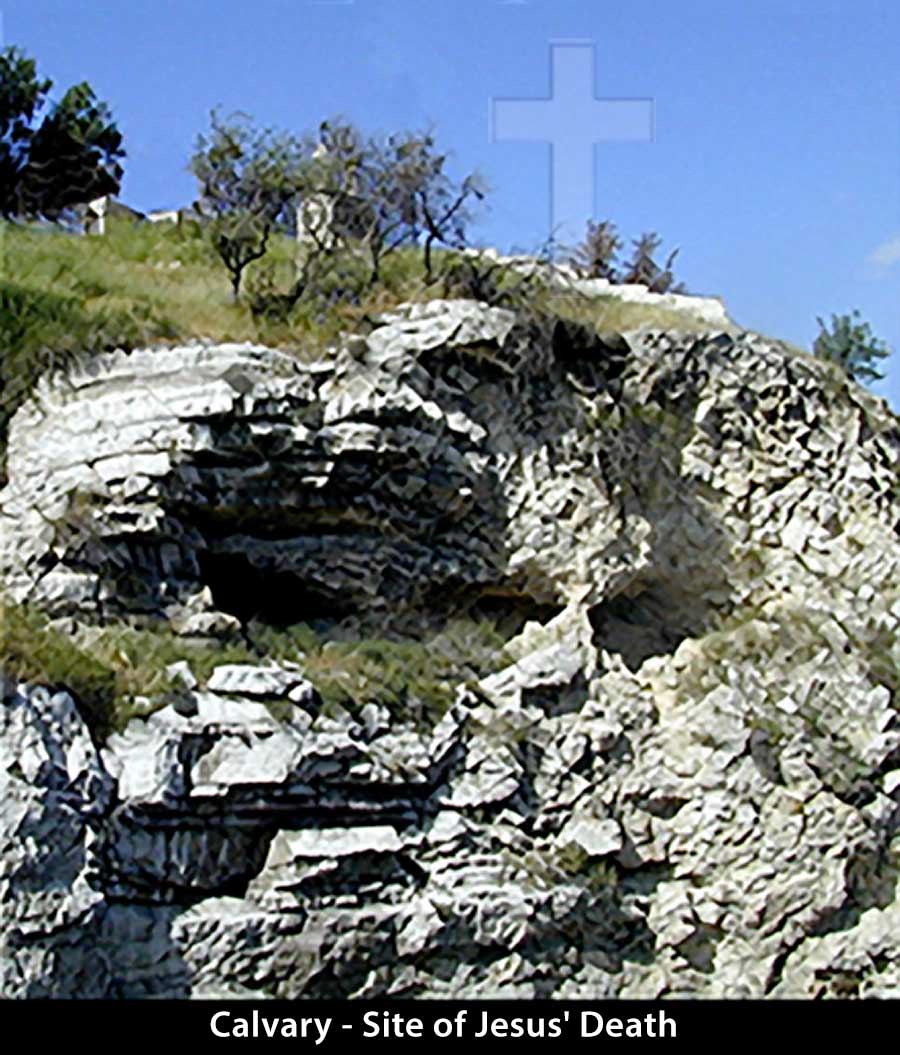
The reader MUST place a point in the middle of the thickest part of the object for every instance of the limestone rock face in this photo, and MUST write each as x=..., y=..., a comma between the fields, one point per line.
x=451, y=453
x=686, y=781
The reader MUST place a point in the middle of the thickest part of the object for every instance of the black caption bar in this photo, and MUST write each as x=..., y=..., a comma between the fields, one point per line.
x=316, y=1025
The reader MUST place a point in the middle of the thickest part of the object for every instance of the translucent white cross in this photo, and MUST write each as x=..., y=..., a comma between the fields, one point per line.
x=572, y=120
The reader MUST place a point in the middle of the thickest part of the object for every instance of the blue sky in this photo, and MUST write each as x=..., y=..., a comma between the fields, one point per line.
x=774, y=163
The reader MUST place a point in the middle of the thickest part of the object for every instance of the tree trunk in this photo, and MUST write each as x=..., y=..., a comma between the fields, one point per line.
x=428, y=242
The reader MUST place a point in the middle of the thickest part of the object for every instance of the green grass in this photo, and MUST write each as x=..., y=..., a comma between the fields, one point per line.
x=416, y=679
x=63, y=296
x=117, y=672
x=32, y=652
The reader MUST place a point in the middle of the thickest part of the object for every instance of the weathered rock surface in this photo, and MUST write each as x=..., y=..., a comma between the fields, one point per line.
x=688, y=781
x=568, y=279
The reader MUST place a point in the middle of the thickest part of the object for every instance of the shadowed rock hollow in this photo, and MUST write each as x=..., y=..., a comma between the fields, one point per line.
x=684, y=783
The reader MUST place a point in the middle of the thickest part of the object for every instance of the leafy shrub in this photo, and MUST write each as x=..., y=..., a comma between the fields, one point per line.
x=851, y=344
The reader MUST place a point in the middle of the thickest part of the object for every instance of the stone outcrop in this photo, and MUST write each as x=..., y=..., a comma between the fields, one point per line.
x=685, y=781
x=568, y=279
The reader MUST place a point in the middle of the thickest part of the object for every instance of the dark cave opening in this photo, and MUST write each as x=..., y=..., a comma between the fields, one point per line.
x=276, y=598
x=510, y=613
x=640, y=626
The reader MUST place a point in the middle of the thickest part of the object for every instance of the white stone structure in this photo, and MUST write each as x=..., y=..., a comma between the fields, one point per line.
x=164, y=216
x=95, y=216
x=315, y=214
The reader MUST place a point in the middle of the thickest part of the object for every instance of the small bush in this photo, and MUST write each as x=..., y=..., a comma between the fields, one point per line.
x=597, y=257
x=851, y=344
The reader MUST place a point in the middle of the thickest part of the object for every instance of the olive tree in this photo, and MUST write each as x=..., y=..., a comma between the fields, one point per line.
x=354, y=198
x=248, y=179
x=415, y=200
x=393, y=191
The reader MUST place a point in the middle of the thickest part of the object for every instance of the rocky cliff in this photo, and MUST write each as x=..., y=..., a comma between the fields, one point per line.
x=682, y=779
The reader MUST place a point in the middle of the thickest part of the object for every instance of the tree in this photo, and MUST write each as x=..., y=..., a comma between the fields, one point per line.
x=21, y=97
x=439, y=208
x=391, y=192
x=643, y=270
x=53, y=157
x=596, y=255
x=248, y=178
x=351, y=196
x=851, y=344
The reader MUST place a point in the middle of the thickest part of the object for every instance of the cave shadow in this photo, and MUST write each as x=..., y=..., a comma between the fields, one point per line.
x=319, y=529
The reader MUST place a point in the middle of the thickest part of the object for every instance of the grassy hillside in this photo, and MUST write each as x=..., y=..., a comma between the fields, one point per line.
x=62, y=295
